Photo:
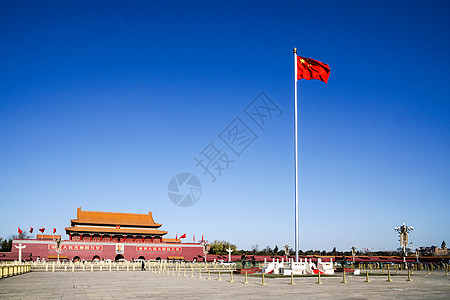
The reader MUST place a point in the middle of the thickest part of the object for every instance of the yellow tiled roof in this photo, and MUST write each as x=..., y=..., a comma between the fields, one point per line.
x=113, y=218
x=121, y=230
x=171, y=240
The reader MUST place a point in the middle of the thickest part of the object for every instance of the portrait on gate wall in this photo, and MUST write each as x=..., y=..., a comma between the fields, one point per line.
x=120, y=249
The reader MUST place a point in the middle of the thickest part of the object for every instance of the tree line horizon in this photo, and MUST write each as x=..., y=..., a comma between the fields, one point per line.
x=219, y=248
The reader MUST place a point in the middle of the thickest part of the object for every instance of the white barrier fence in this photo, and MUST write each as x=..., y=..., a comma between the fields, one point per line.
x=12, y=269
x=127, y=266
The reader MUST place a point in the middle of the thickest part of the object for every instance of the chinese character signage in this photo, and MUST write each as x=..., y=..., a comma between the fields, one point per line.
x=158, y=249
x=77, y=247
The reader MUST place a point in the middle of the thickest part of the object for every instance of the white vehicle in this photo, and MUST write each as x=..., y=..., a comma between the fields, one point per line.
x=226, y=263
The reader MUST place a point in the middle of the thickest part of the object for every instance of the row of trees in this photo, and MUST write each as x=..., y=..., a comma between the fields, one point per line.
x=6, y=244
x=219, y=248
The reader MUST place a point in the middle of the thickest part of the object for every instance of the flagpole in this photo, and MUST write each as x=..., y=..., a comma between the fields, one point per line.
x=296, y=156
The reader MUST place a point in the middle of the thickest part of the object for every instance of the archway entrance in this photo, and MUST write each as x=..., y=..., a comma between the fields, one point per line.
x=118, y=256
x=76, y=258
x=141, y=257
x=96, y=258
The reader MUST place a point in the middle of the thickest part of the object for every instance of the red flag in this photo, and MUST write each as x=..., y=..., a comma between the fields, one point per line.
x=308, y=68
x=19, y=230
x=42, y=230
x=202, y=238
x=183, y=236
x=176, y=237
x=31, y=229
x=193, y=237
x=54, y=230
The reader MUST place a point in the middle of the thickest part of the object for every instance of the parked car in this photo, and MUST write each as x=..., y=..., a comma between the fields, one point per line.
x=226, y=263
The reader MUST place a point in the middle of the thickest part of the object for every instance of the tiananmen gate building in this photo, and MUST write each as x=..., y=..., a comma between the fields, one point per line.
x=96, y=235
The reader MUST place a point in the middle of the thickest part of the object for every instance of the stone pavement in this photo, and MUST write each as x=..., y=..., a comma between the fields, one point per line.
x=148, y=285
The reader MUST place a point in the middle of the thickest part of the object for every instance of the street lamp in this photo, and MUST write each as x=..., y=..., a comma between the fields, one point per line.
x=403, y=232
x=286, y=251
x=58, y=248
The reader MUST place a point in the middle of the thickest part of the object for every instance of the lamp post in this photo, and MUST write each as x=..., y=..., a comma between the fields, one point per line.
x=404, y=232
x=286, y=251
x=205, y=249
x=58, y=248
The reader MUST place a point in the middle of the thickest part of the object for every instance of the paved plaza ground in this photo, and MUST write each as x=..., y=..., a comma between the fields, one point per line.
x=148, y=285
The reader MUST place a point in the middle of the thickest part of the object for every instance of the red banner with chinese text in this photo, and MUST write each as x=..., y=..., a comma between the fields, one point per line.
x=158, y=249
x=77, y=247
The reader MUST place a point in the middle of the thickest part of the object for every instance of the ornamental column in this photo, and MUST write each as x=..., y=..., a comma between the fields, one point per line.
x=229, y=250
x=20, y=247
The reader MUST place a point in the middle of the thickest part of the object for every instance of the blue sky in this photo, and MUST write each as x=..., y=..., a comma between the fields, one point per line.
x=102, y=103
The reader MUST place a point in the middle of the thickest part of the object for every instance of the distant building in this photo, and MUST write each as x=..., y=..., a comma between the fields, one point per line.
x=434, y=250
x=99, y=226
x=95, y=235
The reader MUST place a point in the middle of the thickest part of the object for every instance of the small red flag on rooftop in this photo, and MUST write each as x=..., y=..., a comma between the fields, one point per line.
x=183, y=236
x=19, y=230
x=31, y=229
x=42, y=230
x=54, y=230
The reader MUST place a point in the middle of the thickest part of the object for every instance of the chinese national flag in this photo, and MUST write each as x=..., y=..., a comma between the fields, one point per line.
x=42, y=230
x=183, y=236
x=54, y=230
x=31, y=229
x=308, y=68
x=19, y=230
